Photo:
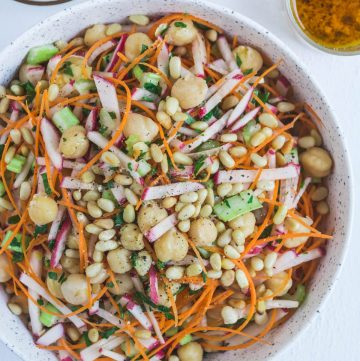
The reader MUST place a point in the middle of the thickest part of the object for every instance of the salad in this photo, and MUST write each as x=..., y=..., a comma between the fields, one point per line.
x=161, y=195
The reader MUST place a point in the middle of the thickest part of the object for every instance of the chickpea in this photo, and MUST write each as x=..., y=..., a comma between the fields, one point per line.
x=189, y=91
x=134, y=44
x=4, y=264
x=125, y=285
x=75, y=290
x=292, y=225
x=149, y=215
x=249, y=57
x=42, y=209
x=131, y=237
x=70, y=265
x=24, y=73
x=181, y=35
x=276, y=282
x=163, y=296
x=172, y=246
x=54, y=287
x=316, y=162
x=192, y=351
x=144, y=127
x=245, y=223
x=203, y=231
x=119, y=260
x=143, y=263
x=93, y=34
x=74, y=143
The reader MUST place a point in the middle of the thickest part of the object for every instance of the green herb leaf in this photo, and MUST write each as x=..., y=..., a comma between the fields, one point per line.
x=118, y=220
x=153, y=88
x=110, y=285
x=29, y=90
x=86, y=338
x=40, y=230
x=204, y=276
x=247, y=71
x=103, y=129
x=17, y=257
x=46, y=183
x=62, y=278
x=53, y=276
x=129, y=165
x=144, y=48
x=51, y=244
x=160, y=265
x=109, y=332
x=238, y=61
x=180, y=24
x=66, y=68
x=13, y=219
x=40, y=302
x=133, y=259
x=199, y=163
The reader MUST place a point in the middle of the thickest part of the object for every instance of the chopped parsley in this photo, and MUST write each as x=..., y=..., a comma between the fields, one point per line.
x=13, y=219
x=51, y=244
x=109, y=332
x=204, y=276
x=40, y=230
x=160, y=265
x=247, y=71
x=227, y=203
x=153, y=88
x=216, y=112
x=180, y=24
x=129, y=165
x=201, y=26
x=17, y=257
x=199, y=163
x=103, y=130
x=250, y=200
x=29, y=90
x=66, y=68
x=86, y=338
x=133, y=259
x=46, y=183
x=238, y=60
x=40, y=302
x=53, y=276
x=62, y=278
x=110, y=285
x=263, y=96
x=144, y=48
x=118, y=220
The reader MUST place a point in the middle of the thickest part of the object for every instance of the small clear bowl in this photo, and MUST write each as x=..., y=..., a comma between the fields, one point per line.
x=298, y=27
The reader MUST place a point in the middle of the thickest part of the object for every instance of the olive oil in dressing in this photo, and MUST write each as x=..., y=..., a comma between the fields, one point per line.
x=331, y=23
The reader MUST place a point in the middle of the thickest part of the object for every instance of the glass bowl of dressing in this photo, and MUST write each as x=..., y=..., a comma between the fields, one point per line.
x=329, y=25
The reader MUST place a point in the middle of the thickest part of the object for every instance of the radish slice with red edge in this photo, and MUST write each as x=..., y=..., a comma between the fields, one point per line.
x=115, y=57
x=199, y=55
x=60, y=242
x=245, y=119
x=93, y=351
x=161, y=228
x=52, y=335
x=74, y=183
x=240, y=107
x=136, y=311
x=99, y=50
x=226, y=52
x=163, y=58
x=91, y=120
x=154, y=287
x=52, y=140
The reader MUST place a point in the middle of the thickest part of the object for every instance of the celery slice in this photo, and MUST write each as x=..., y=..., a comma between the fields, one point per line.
x=47, y=319
x=65, y=119
x=2, y=189
x=41, y=54
x=16, y=164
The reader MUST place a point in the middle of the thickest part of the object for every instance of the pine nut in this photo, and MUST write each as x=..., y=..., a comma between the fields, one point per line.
x=215, y=261
x=224, y=238
x=82, y=218
x=215, y=166
x=107, y=235
x=181, y=158
x=241, y=279
x=322, y=208
x=91, y=196
x=306, y=142
x=211, y=35
x=260, y=290
x=174, y=272
x=274, y=74
x=93, y=335
x=93, y=229
x=237, y=304
x=261, y=306
x=266, y=185
x=229, y=102
x=238, y=237
x=17, y=89
x=280, y=214
x=229, y=315
x=104, y=246
x=15, y=135
x=106, y=204
x=164, y=119
x=144, y=334
x=184, y=226
x=131, y=197
x=268, y=120
x=175, y=67
x=156, y=153
x=270, y=259
x=77, y=195
x=9, y=154
x=94, y=269
x=25, y=190
x=261, y=318
x=197, y=210
x=98, y=256
x=257, y=139
x=53, y=92
x=27, y=135
x=72, y=253
x=199, y=125
x=110, y=158
x=210, y=198
x=179, y=206
x=257, y=264
x=24, y=150
x=226, y=159
x=88, y=177
x=231, y=252
x=180, y=50
x=94, y=210
x=4, y=105
x=168, y=202
x=2, y=92
x=189, y=197
x=238, y=151
x=228, y=137
x=215, y=275
x=4, y=203
x=227, y=278
x=73, y=333
x=223, y=189
x=280, y=159
x=142, y=20
x=267, y=132
x=288, y=146
x=113, y=29
x=129, y=213
x=186, y=212
x=193, y=270
x=202, y=194
x=180, y=117
x=258, y=160
x=15, y=309
x=284, y=107
x=164, y=164
x=123, y=180
x=319, y=194
x=236, y=189
x=316, y=135
x=227, y=264
x=220, y=226
x=171, y=105
x=278, y=142
x=104, y=223
x=206, y=211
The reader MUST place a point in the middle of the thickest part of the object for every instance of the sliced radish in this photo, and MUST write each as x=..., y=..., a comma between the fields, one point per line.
x=136, y=311
x=210, y=152
x=185, y=72
x=161, y=228
x=118, y=192
x=52, y=65
x=74, y=183
x=150, y=343
x=163, y=58
x=60, y=242
x=214, y=129
x=226, y=53
x=186, y=172
x=291, y=259
x=91, y=120
x=35, y=73
x=99, y=50
x=141, y=93
x=115, y=57
x=276, y=100
x=52, y=140
x=270, y=304
x=65, y=356
x=113, y=355
x=170, y=190
x=215, y=87
x=52, y=335
x=272, y=108
x=220, y=66
x=247, y=176
x=108, y=96
x=282, y=85
x=25, y=171
x=67, y=89
x=154, y=287
x=34, y=311
x=150, y=105
x=199, y=55
x=240, y=107
x=68, y=164
x=245, y=119
x=159, y=356
x=302, y=190
x=188, y=132
x=93, y=352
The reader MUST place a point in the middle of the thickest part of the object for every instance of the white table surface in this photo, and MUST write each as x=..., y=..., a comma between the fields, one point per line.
x=332, y=336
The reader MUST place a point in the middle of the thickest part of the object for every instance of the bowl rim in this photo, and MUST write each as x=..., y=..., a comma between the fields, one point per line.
x=311, y=79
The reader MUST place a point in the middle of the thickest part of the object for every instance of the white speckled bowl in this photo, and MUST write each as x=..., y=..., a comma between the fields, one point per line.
x=72, y=21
